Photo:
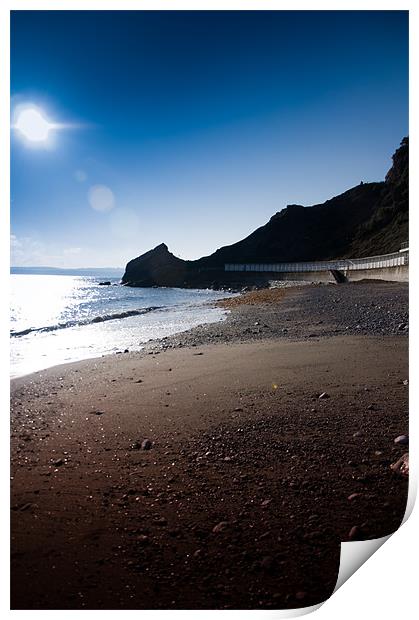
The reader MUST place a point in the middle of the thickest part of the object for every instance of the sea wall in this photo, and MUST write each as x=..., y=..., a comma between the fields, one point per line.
x=392, y=274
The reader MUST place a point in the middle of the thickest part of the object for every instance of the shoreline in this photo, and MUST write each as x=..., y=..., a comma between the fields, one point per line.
x=230, y=508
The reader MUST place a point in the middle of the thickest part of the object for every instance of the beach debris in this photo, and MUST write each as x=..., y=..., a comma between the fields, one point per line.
x=324, y=395
x=401, y=466
x=146, y=444
x=22, y=507
x=220, y=527
x=402, y=440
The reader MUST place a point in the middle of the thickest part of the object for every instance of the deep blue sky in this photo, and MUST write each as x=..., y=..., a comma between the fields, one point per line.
x=202, y=124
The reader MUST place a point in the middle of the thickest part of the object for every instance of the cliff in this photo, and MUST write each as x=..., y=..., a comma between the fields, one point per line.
x=157, y=267
x=369, y=219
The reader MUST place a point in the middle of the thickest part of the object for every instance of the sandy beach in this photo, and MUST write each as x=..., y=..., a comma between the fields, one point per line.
x=219, y=468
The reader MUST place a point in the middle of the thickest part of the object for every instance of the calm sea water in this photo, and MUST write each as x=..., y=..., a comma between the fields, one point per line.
x=62, y=318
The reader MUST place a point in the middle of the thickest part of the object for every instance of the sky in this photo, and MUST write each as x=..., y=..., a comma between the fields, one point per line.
x=192, y=128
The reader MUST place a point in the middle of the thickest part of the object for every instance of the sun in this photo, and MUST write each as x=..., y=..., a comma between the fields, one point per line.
x=33, y=125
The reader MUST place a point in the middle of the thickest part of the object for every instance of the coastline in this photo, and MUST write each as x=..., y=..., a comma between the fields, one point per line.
x=230, y=508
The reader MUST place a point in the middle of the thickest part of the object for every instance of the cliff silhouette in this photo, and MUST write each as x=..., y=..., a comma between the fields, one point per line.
x=366, y=220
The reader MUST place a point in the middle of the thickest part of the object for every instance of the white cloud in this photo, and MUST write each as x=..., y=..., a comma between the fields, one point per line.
x=26, y=251
x=71, y=251
x=30, y=252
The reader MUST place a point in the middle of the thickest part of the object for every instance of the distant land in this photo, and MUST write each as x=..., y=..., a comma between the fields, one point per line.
x=99, y=272
x=366, y=220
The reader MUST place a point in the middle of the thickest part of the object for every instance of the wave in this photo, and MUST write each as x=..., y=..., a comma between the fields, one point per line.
x=77, y=323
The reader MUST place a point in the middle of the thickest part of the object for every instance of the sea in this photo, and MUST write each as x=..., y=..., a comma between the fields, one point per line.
x=57, y=318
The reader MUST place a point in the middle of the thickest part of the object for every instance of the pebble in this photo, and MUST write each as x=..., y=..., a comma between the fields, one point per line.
x=146, y=444
x=354, y=532
x=402, y=465
x=143, y=539
x=324, y=395
x=354, y=496
x=402, y=440
x=220, y=527
x=358, y=434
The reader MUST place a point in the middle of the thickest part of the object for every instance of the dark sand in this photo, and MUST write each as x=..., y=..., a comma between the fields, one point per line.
x=241, y=443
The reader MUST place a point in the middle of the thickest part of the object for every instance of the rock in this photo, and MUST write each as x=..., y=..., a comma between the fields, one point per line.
x=402, y=465
x=220, y=527
x=406, y=382
x=143, y=539
x=354, y=496
x=358, y=434
x=354, y=533
x=402, y=326
x=402, y=440
x=58, y=462
x=160, y=521
x=97, y=412
x=107, y=283
x=146, y=444
x=324, y=395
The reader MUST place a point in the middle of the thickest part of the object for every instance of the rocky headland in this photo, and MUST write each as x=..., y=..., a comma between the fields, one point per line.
x=367, y=220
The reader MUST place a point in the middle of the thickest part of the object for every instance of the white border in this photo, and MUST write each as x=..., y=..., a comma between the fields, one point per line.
x=386, y=586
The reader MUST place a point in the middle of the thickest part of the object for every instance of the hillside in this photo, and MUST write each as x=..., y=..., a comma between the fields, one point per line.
x=369, y=219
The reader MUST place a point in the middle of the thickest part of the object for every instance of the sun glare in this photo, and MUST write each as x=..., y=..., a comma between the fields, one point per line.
x=33, y=125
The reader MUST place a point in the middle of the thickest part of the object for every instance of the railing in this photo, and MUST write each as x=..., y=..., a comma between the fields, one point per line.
x=372, y=262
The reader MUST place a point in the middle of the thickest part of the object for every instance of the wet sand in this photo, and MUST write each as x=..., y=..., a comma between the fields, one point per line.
x=250, y=482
